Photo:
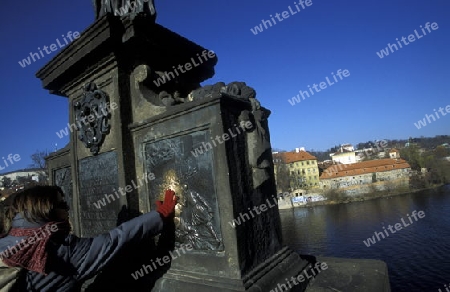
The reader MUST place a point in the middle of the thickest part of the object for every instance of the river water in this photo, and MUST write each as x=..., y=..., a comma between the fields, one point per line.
x=418, y=255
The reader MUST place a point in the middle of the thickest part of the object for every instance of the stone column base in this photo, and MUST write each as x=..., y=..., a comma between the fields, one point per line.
x=268, y=276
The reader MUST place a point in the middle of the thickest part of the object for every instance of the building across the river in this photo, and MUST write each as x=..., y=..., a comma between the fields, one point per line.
x=367, y=172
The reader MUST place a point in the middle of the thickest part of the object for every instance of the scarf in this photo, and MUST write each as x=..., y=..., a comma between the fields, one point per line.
x=30, y=253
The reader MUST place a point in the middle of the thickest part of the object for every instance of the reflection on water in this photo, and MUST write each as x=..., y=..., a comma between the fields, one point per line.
x=418, y=256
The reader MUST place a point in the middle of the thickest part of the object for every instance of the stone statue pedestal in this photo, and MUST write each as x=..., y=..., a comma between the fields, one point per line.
x=229, y=256
x=164, y=135
x=106, y=55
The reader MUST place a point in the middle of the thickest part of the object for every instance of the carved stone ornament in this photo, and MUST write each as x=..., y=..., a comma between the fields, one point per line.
x=92, y=114
x=124, y=7
x=234, y=89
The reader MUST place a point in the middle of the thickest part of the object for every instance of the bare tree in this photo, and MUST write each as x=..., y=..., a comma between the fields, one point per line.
x=282, y=173
x=39, y=162
x=282, y=177
x=38, y=159
x=299, y=181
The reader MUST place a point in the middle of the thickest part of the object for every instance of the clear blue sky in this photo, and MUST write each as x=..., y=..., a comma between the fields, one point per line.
x=381, y=99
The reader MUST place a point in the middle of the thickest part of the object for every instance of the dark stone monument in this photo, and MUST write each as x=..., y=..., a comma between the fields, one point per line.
x=135, y=114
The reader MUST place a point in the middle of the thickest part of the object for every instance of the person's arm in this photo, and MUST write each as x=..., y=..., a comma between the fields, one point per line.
x=90, y=255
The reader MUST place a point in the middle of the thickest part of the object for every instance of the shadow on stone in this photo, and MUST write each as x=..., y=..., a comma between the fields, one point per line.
x=117, y=276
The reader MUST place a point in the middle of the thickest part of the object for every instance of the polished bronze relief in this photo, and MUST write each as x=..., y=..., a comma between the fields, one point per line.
x=191, y=177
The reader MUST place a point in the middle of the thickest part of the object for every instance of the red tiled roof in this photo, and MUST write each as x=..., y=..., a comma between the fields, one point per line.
x=289, y=157
x=371, y=166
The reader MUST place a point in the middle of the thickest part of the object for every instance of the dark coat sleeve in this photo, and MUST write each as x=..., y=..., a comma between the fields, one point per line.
x=90, y=255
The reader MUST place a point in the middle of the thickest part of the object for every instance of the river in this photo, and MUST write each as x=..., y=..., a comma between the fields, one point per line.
x=417, y=255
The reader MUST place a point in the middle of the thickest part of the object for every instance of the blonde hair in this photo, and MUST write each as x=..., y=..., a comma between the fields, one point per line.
x=36, y=204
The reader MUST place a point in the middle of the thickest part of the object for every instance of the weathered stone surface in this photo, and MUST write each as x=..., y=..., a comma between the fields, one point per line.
x=63, y=179
x=61, y=174
x=98, y=176
x=351, y=275
x=252, y=255
x=129, y=43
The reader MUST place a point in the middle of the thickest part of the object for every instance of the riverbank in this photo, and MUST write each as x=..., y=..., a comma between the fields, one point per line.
x=335, y=198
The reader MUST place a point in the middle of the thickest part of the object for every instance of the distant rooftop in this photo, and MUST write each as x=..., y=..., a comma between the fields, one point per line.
x=289, y=157
x=364, y=167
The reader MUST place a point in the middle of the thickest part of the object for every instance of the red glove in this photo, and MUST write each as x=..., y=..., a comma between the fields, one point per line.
x=167, y=208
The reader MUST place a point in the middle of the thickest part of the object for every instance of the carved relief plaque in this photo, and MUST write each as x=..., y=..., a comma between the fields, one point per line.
x=98, y=175
x=179, y=165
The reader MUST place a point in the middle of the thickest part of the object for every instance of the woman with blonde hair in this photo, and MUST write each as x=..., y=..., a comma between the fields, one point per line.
x=38, y=240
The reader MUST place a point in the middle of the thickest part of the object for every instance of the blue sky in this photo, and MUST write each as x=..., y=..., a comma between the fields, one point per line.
x=381, y=99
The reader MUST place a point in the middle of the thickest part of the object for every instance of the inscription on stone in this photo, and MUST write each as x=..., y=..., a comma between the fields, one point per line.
x=63, y=179
x=178, y=166
x=98, y=176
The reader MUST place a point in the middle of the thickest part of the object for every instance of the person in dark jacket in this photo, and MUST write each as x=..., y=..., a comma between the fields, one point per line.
x=39, y=240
